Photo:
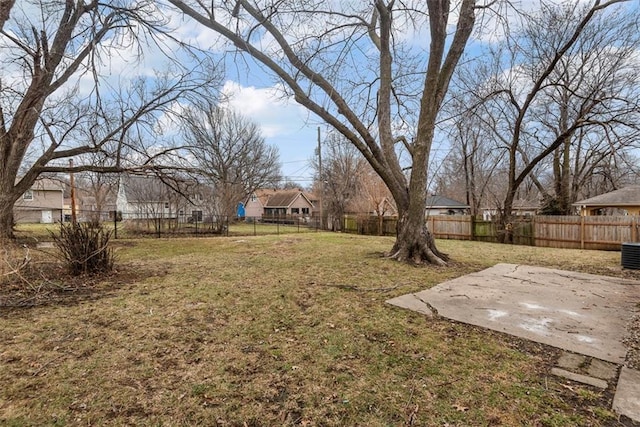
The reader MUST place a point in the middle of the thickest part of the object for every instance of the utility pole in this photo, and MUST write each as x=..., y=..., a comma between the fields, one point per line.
x=320, y=177
x=73, y=193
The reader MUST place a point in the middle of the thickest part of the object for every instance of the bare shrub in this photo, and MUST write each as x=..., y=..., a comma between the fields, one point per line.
x=84, y=247
x=14, y=260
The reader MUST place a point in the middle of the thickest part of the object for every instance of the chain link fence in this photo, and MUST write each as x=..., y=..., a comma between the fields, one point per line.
x=136, y=224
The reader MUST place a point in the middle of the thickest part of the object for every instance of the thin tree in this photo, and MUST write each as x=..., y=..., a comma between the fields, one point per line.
x=346, y=63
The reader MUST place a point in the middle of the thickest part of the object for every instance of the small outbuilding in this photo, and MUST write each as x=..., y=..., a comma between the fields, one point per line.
x=626, y=199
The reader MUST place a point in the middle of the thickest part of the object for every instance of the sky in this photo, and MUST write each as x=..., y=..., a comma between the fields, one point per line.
x=293, y=130
x=284, y=123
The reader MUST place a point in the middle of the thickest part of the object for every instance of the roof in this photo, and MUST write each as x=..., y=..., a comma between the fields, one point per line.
x=46, y=184
x=283, y=199
x=263, y=195
x=627, y=196
x=272, y=198
x=435, y=201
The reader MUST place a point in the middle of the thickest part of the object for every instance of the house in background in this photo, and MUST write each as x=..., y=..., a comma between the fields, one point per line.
x=383, y=207
x=42, y=203
x=255, y=203
x=142, y=197
x=521, y=208
x=279, y=203
x=440, y=205
x=625, y=201
x=93, y=201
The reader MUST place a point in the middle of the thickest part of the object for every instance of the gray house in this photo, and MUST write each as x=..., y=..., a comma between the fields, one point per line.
x=42, y=203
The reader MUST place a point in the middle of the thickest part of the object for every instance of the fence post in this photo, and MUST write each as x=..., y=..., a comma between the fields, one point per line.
x=581, y=231
x=533, y=231
x=115, y=224
x=472, y=235
x=634, y=228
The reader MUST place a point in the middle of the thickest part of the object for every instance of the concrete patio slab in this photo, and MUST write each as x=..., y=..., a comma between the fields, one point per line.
x=580, y=313
x=627, y=398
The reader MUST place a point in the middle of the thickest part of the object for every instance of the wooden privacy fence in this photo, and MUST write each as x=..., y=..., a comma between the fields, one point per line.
x=586, y=232
x=572, y=232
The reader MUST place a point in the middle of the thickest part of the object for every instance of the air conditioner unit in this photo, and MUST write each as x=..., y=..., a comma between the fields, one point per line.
x=631, y=256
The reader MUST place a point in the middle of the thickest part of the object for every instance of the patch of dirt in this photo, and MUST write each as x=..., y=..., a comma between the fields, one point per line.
x=583, y=398
x=632, y=342
x=48, y=283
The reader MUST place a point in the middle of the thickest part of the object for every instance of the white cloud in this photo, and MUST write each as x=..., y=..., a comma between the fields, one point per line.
x=284, y=124
x=276, y=114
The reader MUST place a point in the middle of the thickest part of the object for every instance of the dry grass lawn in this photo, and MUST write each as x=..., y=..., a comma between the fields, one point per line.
x=276, y=330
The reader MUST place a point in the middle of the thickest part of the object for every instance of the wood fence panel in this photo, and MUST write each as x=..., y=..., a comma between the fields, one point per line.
x=389, y=226
x=484, y=231
x=350, y=224
x=456, y=227
x=607, y=232
x=524, y=232
x=557, y=231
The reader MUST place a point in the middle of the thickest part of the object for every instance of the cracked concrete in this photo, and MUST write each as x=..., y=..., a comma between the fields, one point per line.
x=581, y=313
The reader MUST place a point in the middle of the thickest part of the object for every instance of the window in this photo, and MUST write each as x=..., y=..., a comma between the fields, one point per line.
x=305, y=211
x=28, y=195
x=295, y=211
x=254, y=198
x=166, y=205
x=196, y=215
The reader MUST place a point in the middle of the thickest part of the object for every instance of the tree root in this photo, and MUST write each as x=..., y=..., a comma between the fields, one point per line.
x=416, y=245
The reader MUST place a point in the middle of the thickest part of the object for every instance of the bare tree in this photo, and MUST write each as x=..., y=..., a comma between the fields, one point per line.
x=350, y=65
x=340, y=165
x=229, y=152
x=99, y=189
x=55, y=99
x=471, y=168
x=605, y=62
x=373, y=196
x=5, y=11
x=566, y=73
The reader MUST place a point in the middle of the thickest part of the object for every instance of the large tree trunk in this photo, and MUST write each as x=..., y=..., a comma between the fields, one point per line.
x=415, y=243
x=6, y=215
x=505, y=219
x=325, y=90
